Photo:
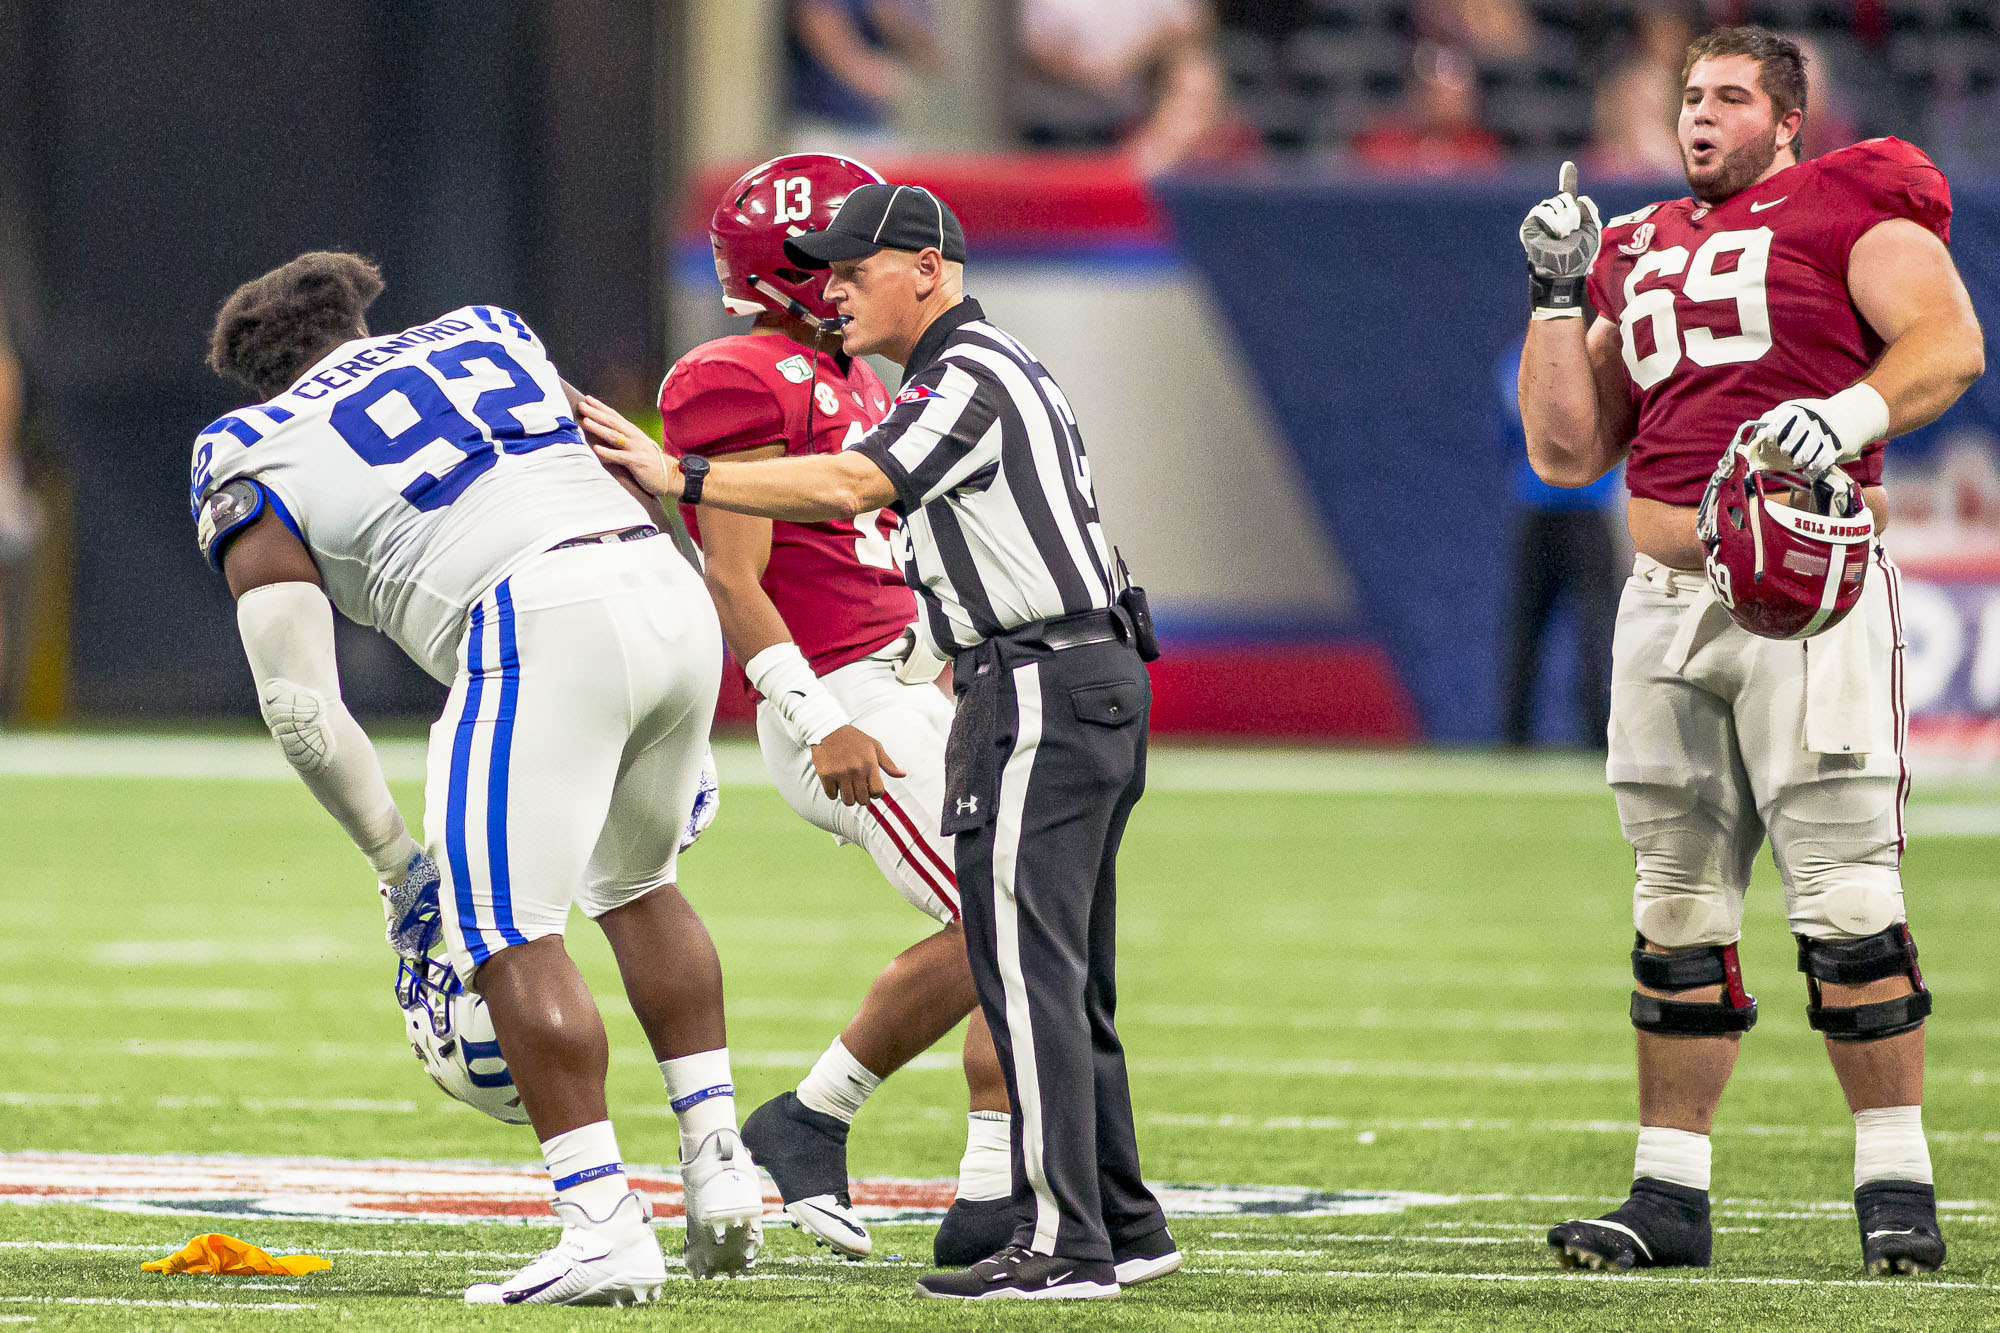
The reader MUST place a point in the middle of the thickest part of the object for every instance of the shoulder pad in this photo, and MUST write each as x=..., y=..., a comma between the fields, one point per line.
x=227, y=511
x=1636, y=215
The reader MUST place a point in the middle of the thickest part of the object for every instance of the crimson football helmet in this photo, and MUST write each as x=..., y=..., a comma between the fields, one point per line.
x=768, y=205
x=1788, y=555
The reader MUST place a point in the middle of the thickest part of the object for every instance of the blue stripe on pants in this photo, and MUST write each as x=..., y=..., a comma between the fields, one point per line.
x=461, y=764
x=496, y=782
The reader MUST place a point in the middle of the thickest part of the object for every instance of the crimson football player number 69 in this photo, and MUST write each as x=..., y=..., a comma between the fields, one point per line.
x=1743, y=283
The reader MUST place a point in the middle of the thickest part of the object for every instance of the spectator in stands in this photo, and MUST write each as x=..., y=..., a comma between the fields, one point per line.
x=1437, y=131
x=1139, y=74
x=1638, y=103
x=1566, y=551
x=20, y=520
x=1484, y=29
x=1831, y=116
x=848, y=61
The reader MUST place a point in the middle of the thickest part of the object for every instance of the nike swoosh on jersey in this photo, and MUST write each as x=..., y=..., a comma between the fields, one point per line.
x=1769, y=203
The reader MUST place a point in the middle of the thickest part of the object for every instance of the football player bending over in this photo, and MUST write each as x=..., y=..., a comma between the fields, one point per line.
x=1813, y=305
x=432, y=484
x=850, y=720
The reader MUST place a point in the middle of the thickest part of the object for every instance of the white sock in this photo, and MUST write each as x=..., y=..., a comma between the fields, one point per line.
x=1673, y=1155
x=1889, y=1145
x=586, y=1170
x=987, y=1169
x=702, y=1095
x=838, y=1084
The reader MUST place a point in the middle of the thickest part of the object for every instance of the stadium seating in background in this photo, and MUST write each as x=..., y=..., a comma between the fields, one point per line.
x=1313, y=74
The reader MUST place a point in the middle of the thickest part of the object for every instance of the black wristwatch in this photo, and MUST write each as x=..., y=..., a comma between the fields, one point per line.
x=694, y=471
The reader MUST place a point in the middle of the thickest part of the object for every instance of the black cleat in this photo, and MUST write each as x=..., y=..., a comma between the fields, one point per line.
x=1146, y=1258
x=972, y=1230
x=806, y=1153
x=1660, y=1226
x=1017, y=1273
x=1899, y=1228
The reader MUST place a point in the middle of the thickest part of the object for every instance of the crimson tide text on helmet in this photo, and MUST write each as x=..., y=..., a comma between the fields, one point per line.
x=769, y=204
x=1787, y=555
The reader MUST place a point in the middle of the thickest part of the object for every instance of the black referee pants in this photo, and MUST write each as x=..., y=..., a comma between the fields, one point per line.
x=1046, y=760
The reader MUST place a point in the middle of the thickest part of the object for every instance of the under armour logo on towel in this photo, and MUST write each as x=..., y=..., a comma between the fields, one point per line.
x=968, y=805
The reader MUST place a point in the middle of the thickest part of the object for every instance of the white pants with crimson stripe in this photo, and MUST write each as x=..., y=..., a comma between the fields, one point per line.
x=1708, y=760
x=900, y=830
x=569, y=751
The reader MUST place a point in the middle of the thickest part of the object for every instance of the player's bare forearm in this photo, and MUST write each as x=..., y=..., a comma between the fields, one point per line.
x=1928, y=369
x=1571, y=408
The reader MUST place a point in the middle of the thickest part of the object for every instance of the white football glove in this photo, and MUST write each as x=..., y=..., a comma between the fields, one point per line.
x=410, y=908
x=707, y=800
x=1561, y=235
x=1819, y=433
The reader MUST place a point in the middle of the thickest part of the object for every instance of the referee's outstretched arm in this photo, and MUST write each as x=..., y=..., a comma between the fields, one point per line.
x=812, y=489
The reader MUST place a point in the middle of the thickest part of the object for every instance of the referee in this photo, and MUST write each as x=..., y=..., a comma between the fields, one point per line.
x=1020, y=591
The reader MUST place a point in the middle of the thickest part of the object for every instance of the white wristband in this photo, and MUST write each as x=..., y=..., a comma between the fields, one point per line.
x=1859, y=416
x=781, y=675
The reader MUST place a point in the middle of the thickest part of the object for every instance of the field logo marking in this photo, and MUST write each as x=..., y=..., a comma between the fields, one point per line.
x=336, y=1190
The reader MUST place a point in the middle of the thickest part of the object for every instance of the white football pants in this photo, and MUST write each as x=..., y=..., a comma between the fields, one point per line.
x=900, y=828
x=1709, y=758
x=568, y=755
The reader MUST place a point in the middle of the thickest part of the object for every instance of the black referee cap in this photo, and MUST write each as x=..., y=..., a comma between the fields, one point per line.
x=881, y=217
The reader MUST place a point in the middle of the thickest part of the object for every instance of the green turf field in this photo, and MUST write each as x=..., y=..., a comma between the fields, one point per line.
x=1401, y=977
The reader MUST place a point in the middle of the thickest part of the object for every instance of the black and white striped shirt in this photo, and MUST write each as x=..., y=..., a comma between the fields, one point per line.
x=999, y=524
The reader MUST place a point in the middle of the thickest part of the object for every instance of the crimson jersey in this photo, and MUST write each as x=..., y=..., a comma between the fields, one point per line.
x=1725, y=311
x=837, y=585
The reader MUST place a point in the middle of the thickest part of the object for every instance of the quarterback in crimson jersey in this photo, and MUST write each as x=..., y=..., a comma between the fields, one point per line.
x=850, y=719
x=1780, y=323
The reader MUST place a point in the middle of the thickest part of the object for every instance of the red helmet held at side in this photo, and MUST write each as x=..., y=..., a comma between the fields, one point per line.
x=1787, y=555
x=768, y=205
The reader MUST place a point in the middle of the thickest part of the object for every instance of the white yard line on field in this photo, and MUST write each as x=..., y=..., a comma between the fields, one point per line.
x=279, y=1306
x=1443, y=1124
x=1169, y=768
x=1617, y=1278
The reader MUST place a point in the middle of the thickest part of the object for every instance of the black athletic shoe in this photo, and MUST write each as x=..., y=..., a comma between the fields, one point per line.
x=1899, y=1228
x=1144, y=1259
x=1019, y=1274
x=806, y=1154
x=973, y=1229
x=1660, y=1226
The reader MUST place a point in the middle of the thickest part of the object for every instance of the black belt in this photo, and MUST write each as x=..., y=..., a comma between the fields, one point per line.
x=635, y=534
x=1049, y=636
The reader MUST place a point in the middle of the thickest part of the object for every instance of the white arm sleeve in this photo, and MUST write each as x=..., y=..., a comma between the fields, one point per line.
x=287, y=631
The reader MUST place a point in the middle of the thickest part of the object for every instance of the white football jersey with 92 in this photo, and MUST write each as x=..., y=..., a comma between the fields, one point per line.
x=419, y=469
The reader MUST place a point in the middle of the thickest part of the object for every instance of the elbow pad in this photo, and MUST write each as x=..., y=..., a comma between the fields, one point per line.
x=287, y=633
x=296, y=715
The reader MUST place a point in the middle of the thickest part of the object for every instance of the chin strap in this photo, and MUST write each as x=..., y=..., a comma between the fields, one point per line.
x=796, y=308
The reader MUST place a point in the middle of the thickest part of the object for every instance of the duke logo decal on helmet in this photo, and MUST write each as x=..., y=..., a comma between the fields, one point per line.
x=452, y=1033
x=783, y=198
x=1787, y=555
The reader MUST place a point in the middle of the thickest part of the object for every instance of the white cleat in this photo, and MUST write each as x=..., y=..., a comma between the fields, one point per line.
x=725, y=1207
x=830, y=1220
x=613, y=1262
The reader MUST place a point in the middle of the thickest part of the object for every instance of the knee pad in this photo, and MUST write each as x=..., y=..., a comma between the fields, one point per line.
x=1887, y=953
x=1712, y=965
